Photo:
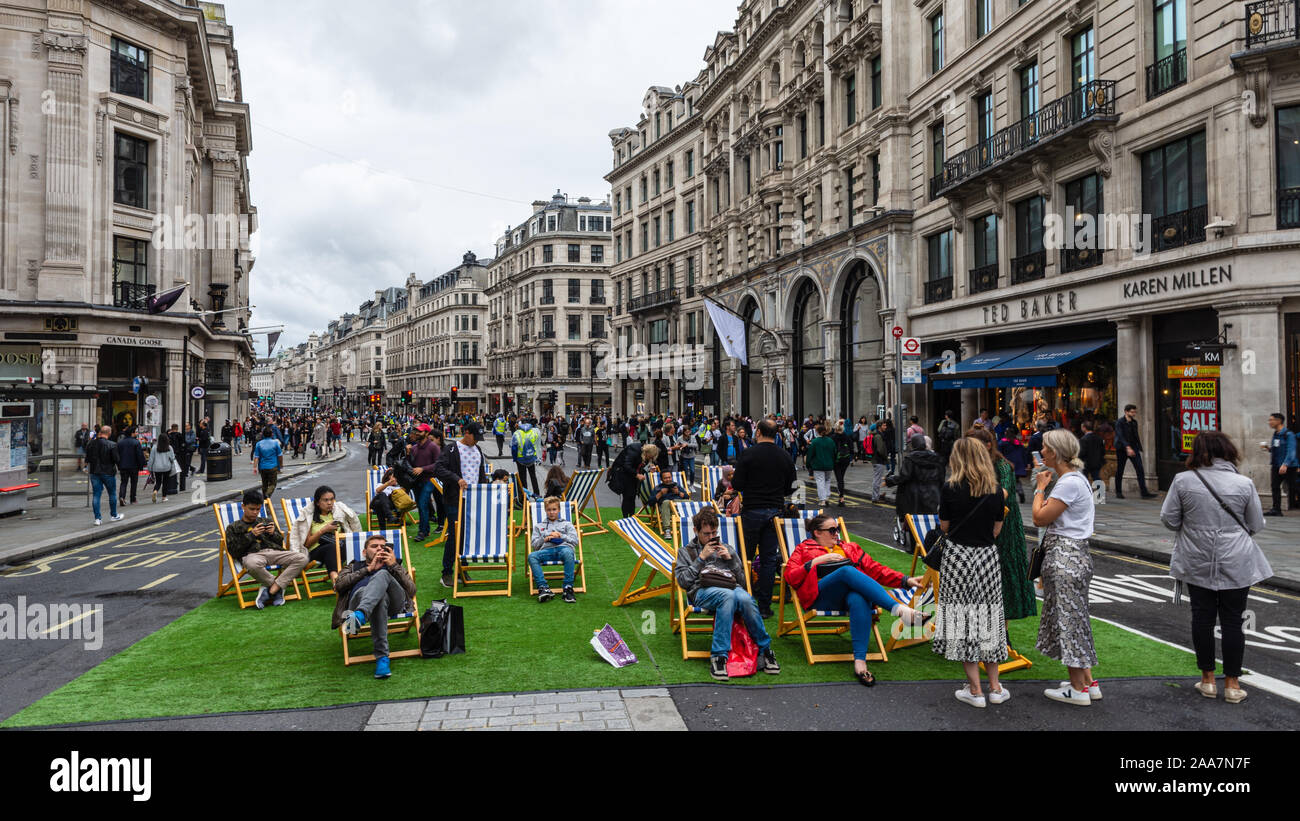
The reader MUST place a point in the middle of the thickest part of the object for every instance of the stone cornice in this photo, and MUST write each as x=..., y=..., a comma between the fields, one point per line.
x=656, y=148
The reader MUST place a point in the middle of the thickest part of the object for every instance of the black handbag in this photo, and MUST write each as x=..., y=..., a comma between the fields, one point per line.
x=442, y=630
x=826, y=568
x=1037, y=558
x=936, y=539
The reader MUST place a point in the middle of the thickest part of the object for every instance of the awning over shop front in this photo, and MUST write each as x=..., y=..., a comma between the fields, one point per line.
x=959, y=383
x=1035, y=366
x=968, y=372
x=1048, y=358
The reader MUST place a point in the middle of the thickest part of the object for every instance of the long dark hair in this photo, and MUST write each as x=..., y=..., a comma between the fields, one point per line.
x=1210, y=445
x=315, y=501
x=164, y=444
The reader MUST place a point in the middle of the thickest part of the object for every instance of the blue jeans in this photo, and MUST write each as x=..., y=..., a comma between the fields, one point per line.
x=760, y=533
x=562, y=553
x=724, y=603
x=424, y=501
x=715, y=458
x=98, y=482
x=850, y=589
x=687, y=466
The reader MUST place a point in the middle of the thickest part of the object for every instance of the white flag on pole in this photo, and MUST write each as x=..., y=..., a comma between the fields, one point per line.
x=731, y=330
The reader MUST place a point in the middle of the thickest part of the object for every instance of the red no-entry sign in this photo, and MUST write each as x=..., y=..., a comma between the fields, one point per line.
x=898, y=332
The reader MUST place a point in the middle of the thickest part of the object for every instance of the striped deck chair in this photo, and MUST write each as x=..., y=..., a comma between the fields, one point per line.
x=650, y=551
x=649, y=513
x=351, y=549
x=374, y=478
x=243, y=587
x=314, y=572
x=582, y=492
x=689, y=618
x=789, y=533
x=483, y=527
x=920, y=525
x=536, y=512
x=709, y=478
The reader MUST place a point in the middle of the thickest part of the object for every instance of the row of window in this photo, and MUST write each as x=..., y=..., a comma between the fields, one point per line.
x=661, y=182
x=542, y=365
x=658, y=229
x=663, y=278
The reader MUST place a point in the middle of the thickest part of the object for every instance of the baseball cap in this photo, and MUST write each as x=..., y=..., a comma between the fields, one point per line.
x=424, y=428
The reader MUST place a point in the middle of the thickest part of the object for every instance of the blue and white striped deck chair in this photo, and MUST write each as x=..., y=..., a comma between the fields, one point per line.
x=649, y=513
x=690, y=618
x=709, y=478
x=314, y=572
x=351, y=547
x=581, y=491
x=535, y=513
x=919, y=526
x=374, y=478
x=483, y=528
x=789, y=533
x=242, y=586
x=650, y=551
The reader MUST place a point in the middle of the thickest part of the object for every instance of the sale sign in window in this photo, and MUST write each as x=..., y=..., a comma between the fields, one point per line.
x=1199, y=400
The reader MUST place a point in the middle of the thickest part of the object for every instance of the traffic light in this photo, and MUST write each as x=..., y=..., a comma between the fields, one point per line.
x=454, y=390
x=407, y=396
x=315, y=394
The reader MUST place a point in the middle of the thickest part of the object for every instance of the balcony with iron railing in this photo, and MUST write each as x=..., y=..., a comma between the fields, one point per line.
x=1028, y=267
x=1073, y=115
x=657, y=299
x=1270, y=21
x=465, y=363
x=1077, y=259
x=1288, y=208
x=598, y=299
x=544, y=334
x=938, y=290
x=984, y=278
x=1179, y=229
x=546, y=300
x=547, y=375
x=1167, y=73
x=132, y=295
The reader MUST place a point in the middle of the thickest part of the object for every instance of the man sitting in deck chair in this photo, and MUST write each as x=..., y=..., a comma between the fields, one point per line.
x=712, y=574
x=368, y=591
x=663, y=496
x=554, y=539
x=256, y=543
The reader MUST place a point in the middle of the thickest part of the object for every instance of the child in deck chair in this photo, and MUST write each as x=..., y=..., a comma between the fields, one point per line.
x=664, y=493
x=553, y=538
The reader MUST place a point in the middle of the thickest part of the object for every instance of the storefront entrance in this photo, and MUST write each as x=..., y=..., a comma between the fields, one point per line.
x=1187, y=394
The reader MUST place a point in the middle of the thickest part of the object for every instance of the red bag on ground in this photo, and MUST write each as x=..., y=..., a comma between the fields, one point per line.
x=743, y=659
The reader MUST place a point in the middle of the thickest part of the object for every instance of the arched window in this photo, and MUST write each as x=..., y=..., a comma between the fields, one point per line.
x=845, y=11
x=861, y=345
x=800, y=55
x=809, y=356
x=751, y=374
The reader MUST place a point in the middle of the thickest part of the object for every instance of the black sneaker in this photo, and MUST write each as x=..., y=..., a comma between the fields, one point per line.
x=767, y=662
x=765, y=612
x=569, y=598
x=718, y=667
x=1272, y=513
x=544, y=595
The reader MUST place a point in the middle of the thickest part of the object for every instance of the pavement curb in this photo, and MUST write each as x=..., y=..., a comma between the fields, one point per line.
x=13, y=556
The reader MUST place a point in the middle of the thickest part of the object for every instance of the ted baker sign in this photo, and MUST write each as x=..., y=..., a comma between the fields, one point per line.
x=1036, y=307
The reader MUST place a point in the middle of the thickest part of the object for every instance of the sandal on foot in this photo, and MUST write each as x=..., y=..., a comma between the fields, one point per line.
x=865, y=678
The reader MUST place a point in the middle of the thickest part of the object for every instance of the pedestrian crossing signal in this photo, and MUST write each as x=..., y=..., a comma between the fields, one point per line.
x=407, y=397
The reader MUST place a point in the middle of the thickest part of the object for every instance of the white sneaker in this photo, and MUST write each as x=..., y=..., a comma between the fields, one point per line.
x=1068, y=695
x=1094, y=690
x=964, y=694
x=999, y=696
x=97, y=521
x=119, y=517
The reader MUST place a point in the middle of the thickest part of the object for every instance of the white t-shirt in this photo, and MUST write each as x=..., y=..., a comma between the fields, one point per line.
x=1076, y=521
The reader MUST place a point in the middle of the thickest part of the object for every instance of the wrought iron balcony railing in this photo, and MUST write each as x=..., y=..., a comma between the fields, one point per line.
x=1179, y=229
x=1288, y=208
x=1076, y=259
x=983, y=278
x=1029, y=267
x=1271, y=20
x=132, y=295
x=1167, y=73
x=938, y=290
x=658, y=299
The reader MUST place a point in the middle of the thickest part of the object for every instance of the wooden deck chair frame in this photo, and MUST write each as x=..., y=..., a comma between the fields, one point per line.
x=919, y=525
x=687, y=618
x=568, y=512
x=650, y=512
x=582, y=493
x=412, y=517
x=315, y=572
x=651, y=552
x=709, y=478
x=504, y=514
x=404, y=623
x=240, y=585
x=822, y=623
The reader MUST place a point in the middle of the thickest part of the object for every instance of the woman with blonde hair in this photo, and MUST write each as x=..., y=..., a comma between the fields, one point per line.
x=1066, y=513
x=970, y=626
x=376, y=443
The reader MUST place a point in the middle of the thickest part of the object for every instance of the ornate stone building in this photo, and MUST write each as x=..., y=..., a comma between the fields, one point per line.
x=548, y=292
x=125, y=175
x=352, y=352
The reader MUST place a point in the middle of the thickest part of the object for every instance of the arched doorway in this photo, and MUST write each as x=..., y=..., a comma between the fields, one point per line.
x=809, y=357
x=751, y=374
x=862, y=344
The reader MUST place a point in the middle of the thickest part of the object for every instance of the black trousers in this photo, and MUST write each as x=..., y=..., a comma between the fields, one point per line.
x=326, y=551
x=629, y=501
x=501, y=443
x=126, y=477
x=529, y=472
x=376, y=455
x=381, y=507
x=584, y=455
x=1280, y=481
x=1226, y=606
x=840, y=469
x=1121, y=456
x=602, y=454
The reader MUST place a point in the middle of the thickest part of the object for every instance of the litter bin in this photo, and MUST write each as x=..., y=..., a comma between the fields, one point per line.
x=219, y=468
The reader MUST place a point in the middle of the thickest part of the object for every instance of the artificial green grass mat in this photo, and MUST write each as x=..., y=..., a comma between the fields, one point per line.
x=217, y=658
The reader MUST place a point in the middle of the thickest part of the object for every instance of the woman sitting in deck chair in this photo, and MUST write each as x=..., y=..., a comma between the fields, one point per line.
x=315, y=532
x=830, y=574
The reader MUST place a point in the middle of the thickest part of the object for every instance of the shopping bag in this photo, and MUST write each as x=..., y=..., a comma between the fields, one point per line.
x=611, y=647
x=743, y=659
x=442, y=630
x=402, y=500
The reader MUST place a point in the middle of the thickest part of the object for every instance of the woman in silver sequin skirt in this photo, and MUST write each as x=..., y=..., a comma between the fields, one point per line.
x=1065, y=631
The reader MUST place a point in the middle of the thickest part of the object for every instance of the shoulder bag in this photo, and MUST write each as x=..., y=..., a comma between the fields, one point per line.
x=936, y=539
x=1222, y=503
x=1039, y=555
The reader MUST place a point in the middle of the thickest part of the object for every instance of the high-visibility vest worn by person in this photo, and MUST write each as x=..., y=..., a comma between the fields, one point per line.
x=524, y=445
x=500, y=427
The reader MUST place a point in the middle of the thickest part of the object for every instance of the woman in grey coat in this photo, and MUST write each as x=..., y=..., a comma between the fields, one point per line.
x=1214, y=554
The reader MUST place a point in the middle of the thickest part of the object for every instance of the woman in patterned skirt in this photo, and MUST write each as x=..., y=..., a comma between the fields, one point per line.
x=970, y=627
x=1065, y=632
x=1018, y=600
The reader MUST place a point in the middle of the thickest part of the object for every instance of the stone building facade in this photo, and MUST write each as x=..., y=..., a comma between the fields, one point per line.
x=550, y=310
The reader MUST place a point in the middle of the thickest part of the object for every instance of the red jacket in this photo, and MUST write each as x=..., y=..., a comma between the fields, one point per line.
x=804, y=582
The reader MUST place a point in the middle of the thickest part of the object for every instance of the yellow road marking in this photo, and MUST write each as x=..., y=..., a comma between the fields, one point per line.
x=72, y=620
x=158, y=582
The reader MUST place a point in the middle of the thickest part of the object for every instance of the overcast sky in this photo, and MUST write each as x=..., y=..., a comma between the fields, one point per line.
x=368, y=116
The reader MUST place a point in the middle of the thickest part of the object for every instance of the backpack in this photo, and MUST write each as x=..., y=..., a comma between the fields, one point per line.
x=527, y=449
x=442, y=630
x=947, y=430
x=869, y=444
x=844, y=450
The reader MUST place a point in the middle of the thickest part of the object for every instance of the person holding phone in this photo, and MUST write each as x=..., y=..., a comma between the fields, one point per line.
x=369, y=590
x=257, y=542
x=315, y=532
x=665, y=493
